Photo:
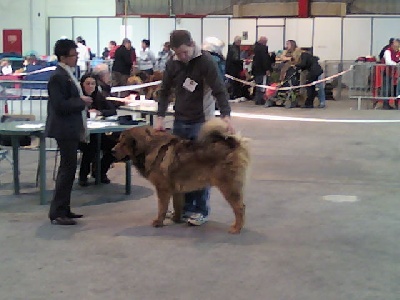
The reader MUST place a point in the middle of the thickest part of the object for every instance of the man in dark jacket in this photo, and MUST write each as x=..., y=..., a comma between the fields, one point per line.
x=309, y=63
x=121, y=69
x=382, y=53
x=234, y=66
x=66, y=122
x=194, y=76
x=261, y=67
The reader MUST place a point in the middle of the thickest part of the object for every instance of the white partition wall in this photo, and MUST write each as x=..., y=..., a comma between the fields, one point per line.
x=59, y=27
x=273, y=29
x=383, y=30
x=87, y=29
x=241, y=26
x=356, y=37
x=332, y=38
x=38, y=27
x=328, y=38
x=109, y=29
x=300, y=30
x=193, y=25
x=160, y=30
x=219, y=28
x=81, y=8
x=139, y=30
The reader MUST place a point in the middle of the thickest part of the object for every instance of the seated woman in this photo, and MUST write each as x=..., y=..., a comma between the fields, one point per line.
x=104, y=108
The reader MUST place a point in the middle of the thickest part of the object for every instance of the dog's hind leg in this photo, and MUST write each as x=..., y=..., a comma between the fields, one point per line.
x=163, y=201
x=234, y=196
x=178, y=200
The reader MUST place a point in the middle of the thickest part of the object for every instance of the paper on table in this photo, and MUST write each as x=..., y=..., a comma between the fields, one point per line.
x=94, y=125
x=30, y=126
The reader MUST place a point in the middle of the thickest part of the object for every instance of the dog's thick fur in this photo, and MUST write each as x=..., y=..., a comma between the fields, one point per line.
x=175, y=165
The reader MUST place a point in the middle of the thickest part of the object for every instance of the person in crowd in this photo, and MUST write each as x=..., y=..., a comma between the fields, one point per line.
x=215, y=47
x=101, y=107
x=146, y=60
x=105, y=54
x=261, y=67
x=391, y=58
x=83, y=56
x=163, y=56
x=194, y=76
x=6, y=68
x=122, y=66
x=234, y=66
x=291, y=47
x=66, y=122
x=91, y=54
x=112, y=46
x=307, y=62
x=102, y=75
x=382, y=53
x=321, y=92
x=391, y=55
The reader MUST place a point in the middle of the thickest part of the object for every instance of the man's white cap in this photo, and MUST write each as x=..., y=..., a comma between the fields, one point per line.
x=213, y=44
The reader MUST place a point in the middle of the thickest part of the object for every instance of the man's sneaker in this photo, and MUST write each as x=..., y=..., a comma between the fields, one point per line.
x=170, y=215
x=197, y=219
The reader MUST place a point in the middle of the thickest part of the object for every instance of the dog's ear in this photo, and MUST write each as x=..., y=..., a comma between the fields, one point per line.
x=138, y=140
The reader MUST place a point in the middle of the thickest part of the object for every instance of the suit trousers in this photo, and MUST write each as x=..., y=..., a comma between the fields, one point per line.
x=60, y=204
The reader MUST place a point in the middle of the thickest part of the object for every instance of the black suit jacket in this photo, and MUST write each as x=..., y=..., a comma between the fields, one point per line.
x=234, y=65
x=262, y=62
x=64, y=108
x=122, y=61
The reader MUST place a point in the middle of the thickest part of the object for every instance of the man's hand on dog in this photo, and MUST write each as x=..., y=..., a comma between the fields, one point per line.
x=160, y=124
x=228, y=120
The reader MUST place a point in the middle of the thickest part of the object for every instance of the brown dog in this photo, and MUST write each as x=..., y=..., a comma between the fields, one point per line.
x=175, y=165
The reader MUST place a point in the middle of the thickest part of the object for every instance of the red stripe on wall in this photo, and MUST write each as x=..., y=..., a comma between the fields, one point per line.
x=304, y=8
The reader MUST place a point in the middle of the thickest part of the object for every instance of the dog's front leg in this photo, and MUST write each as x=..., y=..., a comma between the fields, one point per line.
x=163, y=200
x=178, y=200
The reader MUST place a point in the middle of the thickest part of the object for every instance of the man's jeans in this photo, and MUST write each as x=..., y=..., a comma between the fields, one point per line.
x=321, y=91
x=197, y=201
x=259, y=95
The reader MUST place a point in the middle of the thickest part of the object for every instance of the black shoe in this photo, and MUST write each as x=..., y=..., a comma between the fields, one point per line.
x=63, y=221
x=83, y=182
x=104, y=179
x=72, y=215
x=307, y=106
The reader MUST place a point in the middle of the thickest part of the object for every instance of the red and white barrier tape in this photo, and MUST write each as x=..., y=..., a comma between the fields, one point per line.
x=275, y=88
x=133, y=87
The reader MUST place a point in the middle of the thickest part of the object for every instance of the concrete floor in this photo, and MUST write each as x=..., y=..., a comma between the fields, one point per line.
x=296, y=244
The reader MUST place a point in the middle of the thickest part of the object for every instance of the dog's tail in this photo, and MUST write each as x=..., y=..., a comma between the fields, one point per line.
x=216, y=129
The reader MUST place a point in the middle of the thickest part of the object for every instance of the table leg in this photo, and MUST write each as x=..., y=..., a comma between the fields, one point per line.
x=151, y=120
x=42, y=164
x=15, y=147
x=143, y=116
x=128, y=177
x=98, y=159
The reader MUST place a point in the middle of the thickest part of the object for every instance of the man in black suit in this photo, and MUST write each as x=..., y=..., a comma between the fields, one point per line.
x=262, y=66
x=66, y=122
x=122, y=66
x=234, y=66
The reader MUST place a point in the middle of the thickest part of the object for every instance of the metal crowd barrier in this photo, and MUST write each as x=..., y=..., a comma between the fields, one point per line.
x=21, y=97
x=378, y=83
x=341, y=83
x=24, y=97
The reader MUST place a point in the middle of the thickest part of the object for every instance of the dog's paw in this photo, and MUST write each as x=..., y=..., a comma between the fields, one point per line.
x=157, y=223
x=234, y=230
